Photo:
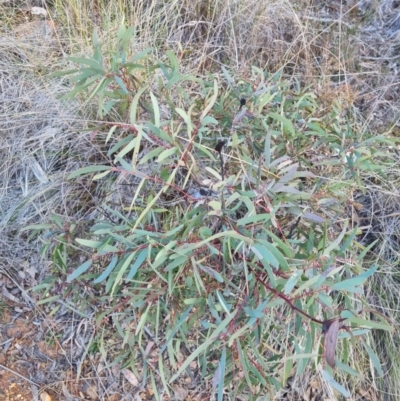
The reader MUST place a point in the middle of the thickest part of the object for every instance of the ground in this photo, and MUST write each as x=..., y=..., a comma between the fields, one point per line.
x=22, y=357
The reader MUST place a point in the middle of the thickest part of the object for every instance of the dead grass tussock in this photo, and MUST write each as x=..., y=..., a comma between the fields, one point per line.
x=41, y=142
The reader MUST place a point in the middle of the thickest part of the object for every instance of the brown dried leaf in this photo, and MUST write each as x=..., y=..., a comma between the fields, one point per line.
x=92, y=393
x=180, y=393
x=331, y=328
x=45, y=397
x=66, y=393
x=149, y=346
x=315, y=218
x=130, y=377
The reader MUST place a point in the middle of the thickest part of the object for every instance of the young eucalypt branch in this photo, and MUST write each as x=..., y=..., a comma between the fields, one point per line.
x=330, y=327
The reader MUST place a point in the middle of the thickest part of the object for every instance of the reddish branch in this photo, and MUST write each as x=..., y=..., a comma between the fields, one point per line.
x=285, y=298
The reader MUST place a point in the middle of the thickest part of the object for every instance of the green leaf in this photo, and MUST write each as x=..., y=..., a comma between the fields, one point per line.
x=335, y=244
x=125, y=165
x=186, y=118
x=316, y=128
x=107, y=271
x=306, y=285
x=263, y=217
x=131, y=144
x=152, y=154
x=141, y=54
x=264, y=253
x=119, y=144
x=89, y=243
x=36, y=227
x=204, y=150
x=173, y=60
x=101, y=175
x=223, y=302
x=348, y=241
x=335, y=384
x=89, y=62
x=290, y=284
x=303, y=362
x=79, y=88
x=134, y=104
x=228, y=77
x=121, y=84
x=62, y=73
x=138, y=262
x=254, y=313
x=369, y=323
x=287, y=124
x=365, y=250
x=369, y=272
x=163, y=255
x=156, y=110
x=287, y=369
x=210, y=102
x=351, y=283
x=178, y=77
x=374, y=359
x=80, y=270
x=347, y=369
x=264, y=99
x=267, y=149
x=167, y=153
x=211, y=272
x=266, y=259
x=88, y=170
x=221, y=375
x=175, y=263
x=122, y=270
x=125, y=36
x=209, y=120
x=99, y=88
x=47, y=300
x=210, y=340
x=184, y=316
x=85, y=73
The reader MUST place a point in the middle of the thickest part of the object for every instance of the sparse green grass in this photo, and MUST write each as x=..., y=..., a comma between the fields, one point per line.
x=210, y=280
x=3, y=308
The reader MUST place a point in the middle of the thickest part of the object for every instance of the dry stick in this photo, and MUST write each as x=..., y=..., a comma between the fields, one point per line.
x=222, y=165
x=19, y=375
x=219, y=148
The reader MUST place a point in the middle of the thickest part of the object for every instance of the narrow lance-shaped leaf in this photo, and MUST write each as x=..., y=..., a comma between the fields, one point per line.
x=331, y=329
x=107, y=271
x=79, y=271
x=219, y=377
x=88, y=170
x=138, y=262
x=210, y=340
x=374, y=359
x=134, y=104
x=211, y=101
x=335, y=384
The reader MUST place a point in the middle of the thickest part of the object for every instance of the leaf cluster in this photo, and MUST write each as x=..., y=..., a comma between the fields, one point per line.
x=242, y=267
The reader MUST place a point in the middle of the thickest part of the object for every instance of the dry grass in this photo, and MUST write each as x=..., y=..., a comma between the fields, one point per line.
x=41, y=143
x=344, y=51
